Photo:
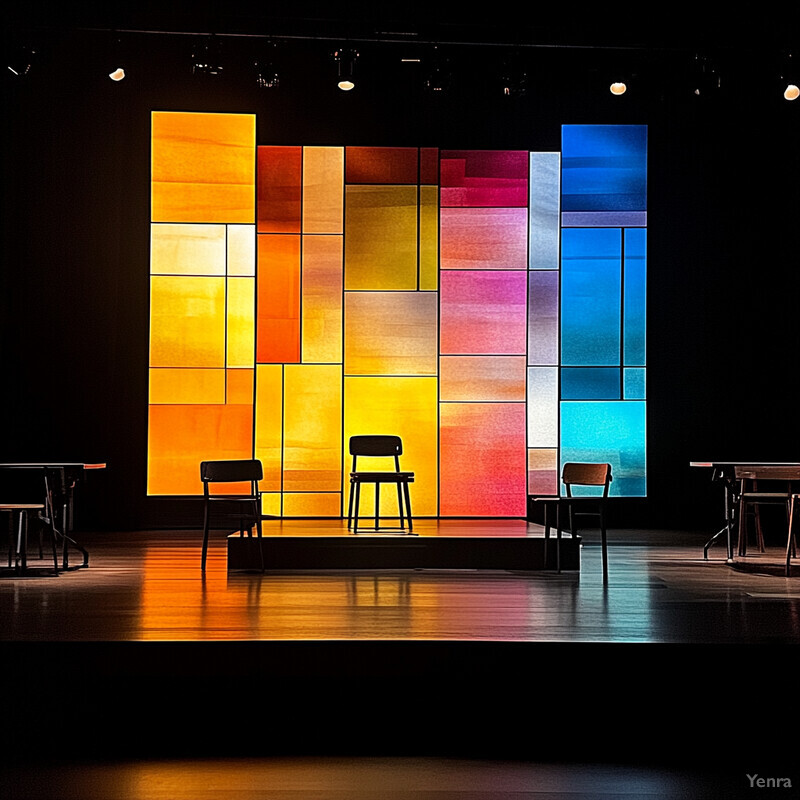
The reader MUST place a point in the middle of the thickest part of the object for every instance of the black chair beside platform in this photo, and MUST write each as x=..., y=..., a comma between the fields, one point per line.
x=243, y=505
x=575, y=474
x=32, y=508
x=791, y=539
x=380, y=446
x=775, y=489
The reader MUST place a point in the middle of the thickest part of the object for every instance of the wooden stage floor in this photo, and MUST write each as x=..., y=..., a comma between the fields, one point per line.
x=674, y=664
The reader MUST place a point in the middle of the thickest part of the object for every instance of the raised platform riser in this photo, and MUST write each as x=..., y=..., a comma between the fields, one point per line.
x=364, y=551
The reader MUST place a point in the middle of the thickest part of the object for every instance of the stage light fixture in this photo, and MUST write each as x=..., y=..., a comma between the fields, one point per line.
x=618, y=88
x=705, y=78
x=514, y=79
x=266, y=69
x=267, y=76
x=115, y=59
x=22, y=62
x=790, y=81
x=346, y=63
x=438, y=76
x=206, y=58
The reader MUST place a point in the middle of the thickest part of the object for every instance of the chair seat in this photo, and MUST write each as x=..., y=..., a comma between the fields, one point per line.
x=382, y=477
x=234, y=498
x=778, y=497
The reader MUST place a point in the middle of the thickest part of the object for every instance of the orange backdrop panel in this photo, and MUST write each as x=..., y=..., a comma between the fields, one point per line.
x=181, y=436
x=280, y=176
x=203, y=167
x=278, y=315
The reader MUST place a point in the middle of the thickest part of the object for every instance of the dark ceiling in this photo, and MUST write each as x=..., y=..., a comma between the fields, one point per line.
x=640, y=26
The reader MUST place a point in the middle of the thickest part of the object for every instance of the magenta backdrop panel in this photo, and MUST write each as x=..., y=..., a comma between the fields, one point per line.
x=478, y=178
x=483, y=312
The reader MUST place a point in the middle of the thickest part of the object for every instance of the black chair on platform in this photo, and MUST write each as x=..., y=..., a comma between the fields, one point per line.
x=576, y=474
x=382, y=447
x=243, y=505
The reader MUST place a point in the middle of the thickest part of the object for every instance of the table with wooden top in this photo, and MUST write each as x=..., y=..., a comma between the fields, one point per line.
x=60, y=479
x=725, y=473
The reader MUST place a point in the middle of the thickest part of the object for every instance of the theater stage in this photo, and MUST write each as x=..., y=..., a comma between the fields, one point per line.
x=514, y=545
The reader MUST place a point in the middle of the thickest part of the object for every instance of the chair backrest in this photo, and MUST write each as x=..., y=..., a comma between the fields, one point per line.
x=578, y=473
x=232, y=471
x=376, y=445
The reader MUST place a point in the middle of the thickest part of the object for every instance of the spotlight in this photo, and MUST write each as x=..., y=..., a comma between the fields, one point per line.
x=346, y=61
x=206, y=59
x=117, y=75
x=618, y=88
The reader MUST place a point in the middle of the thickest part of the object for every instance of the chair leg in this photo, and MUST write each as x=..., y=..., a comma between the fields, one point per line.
x=558, y=534
x=400, y=505
x=257, y=515
x=407, y=494
x=21, y=558
x=742, y=529
x=205, y=539
x=604, y=545
x=350, y=505
x=790, y=541
x=357, y=507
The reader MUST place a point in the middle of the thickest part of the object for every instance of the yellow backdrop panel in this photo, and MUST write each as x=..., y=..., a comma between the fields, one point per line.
x=429, y=238
x=321, y=332
x=381, y=238
x=187, y=321
x=187, y=386
x=269, y=424
x=405, y=407
x=323, y=189
x=391, y=333
x=312, y=454
x=242, y=250
x=187, y=249
x=241, y=324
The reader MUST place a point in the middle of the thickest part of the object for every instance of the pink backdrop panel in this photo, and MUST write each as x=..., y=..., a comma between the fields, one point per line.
x=483, y=461
x=483, y=313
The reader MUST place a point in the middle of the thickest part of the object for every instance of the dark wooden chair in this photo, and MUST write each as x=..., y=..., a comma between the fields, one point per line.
x=31, y=509
x=578, y=474
x=243, y=505
x=381, y=446
x=775, y=489
x=18, y=544
x=791, y=539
